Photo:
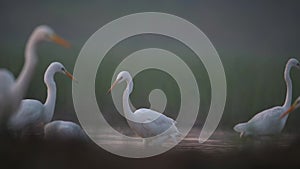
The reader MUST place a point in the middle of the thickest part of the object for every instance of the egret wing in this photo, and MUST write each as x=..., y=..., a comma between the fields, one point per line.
x=29, y=113
x=153, y=123
x=158, y=126
x=265, y=122
x=268, y=114
x=63, y=130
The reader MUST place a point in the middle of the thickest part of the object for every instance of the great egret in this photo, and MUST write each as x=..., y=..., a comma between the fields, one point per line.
x=268, y=122
x=295, y=105
x=63, y=130
x=12, y=92
x=146, y=122
x=32, y=114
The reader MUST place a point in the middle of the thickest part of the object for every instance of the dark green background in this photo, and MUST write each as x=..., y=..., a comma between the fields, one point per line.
x=254, y=40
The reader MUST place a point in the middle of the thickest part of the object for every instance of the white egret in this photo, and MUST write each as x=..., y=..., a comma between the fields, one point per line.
x=32, y=114
x=268, y=122
x=63, y=130
x=145, y=122
x=12, y=92
x=295, y=105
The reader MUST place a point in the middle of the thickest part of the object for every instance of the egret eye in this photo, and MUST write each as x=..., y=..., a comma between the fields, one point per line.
x=63, y=69
x=298, y=64
x=47, y=36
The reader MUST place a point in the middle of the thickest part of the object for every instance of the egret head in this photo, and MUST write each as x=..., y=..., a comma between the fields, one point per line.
x=45, y=33
x=295, y=105
x=57, y=67
x=294, y=63
x=124, y=75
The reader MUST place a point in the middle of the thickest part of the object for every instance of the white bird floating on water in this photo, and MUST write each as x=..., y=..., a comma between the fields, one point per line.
x=268, y=122
x=12, y=92
x=64, y=130
x=32, y=114
x=146, y=122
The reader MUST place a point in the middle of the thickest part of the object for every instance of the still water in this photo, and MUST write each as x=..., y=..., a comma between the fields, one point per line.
x=221, y=142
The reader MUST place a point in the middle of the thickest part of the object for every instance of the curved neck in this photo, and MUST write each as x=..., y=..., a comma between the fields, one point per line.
x=23, y=80
x=126, y=106
x=51, y=96
x=288, y=98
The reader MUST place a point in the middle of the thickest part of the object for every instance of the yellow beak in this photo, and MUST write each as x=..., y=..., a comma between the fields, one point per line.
x=112, y=86
x=69, y=75
x=287, y=112
x=60, y=41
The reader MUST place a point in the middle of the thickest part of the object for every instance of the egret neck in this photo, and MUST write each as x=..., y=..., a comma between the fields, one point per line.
x=51, y=94
x=126, y=106
x=287, y=78
x=23, y=80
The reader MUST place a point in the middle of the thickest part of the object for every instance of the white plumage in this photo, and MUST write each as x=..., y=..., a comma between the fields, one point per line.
x=12, y=92
x=32, y=114
x=150, y=127
x=268, y=122
x=146, y=122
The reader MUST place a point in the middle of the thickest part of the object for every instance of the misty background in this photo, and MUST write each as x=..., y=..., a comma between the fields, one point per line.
x=254, y=40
